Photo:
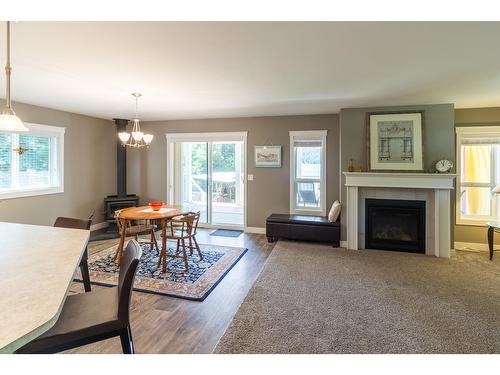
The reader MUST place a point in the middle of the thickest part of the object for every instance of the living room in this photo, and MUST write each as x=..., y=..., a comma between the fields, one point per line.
x=178, y=186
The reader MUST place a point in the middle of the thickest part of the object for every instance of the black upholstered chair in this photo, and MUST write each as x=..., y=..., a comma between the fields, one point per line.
x=69, y=222
x=90, y=317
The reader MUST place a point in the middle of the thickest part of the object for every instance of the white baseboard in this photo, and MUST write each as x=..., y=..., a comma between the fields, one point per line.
x=98, y=226
x=474, y=246
x=343, y=244
x=257, y=230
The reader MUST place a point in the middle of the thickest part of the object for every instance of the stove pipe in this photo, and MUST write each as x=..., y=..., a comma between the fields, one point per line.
x=121, y=160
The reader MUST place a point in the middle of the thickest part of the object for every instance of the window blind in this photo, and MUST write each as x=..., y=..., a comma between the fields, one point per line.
x=480, y=141
x=24, y=161
x=307, y=143
x=5, y=160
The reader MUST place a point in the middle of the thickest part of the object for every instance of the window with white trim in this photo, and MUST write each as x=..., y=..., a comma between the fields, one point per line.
x=308, y=171
x=32, y=163
x=478, y=152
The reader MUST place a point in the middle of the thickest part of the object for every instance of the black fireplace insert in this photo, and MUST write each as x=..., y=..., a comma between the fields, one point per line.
x=394, y=224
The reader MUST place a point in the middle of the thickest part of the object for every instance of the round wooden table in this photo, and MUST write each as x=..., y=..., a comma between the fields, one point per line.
x=147, y=213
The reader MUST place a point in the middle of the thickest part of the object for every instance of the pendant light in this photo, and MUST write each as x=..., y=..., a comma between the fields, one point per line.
x=9, y=122
x=136, y=138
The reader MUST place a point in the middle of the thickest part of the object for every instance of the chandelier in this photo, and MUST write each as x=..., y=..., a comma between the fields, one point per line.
x=8, y=119
x=136, y=138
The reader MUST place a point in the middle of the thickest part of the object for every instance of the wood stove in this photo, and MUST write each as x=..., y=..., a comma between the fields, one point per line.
x=114, y=202
x=121, y=199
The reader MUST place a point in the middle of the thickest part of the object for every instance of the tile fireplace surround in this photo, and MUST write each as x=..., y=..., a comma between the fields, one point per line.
x=434, y=189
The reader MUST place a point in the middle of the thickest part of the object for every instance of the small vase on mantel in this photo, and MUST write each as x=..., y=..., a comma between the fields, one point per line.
x=350, y=165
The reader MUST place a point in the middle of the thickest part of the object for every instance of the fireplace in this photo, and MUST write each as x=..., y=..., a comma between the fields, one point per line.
x=113, y=203
x=121, y=199
x=395, y=224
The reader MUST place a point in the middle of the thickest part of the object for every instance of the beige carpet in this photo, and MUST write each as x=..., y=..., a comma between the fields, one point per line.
x=312, y=298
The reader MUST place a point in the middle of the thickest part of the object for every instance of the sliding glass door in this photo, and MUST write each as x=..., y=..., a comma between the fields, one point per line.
x=227, y=183
x=193, y=178
x=207, y=174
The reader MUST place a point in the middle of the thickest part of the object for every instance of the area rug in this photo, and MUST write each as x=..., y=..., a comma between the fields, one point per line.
x=226, y=233
x=196, y=285
x=312, y=298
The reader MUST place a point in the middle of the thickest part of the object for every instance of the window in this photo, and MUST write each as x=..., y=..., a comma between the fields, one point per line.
x=31, y=163
x=307, y=171
x=478, y=152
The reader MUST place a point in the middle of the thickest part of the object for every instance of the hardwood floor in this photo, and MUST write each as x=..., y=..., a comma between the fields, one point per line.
x=163, y=324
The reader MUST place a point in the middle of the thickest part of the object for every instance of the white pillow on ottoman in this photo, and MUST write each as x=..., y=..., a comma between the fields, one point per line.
x=334, y=213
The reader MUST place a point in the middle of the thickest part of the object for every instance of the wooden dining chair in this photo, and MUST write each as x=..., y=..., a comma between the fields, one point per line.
x=90, y=317
x=69, y=222
x=135, y=231
x=181, y=228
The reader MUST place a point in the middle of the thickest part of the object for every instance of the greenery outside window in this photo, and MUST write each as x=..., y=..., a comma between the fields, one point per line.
x=32, y=163
x=478, y=152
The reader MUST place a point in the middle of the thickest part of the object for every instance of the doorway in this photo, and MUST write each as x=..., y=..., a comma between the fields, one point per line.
x=206, y=173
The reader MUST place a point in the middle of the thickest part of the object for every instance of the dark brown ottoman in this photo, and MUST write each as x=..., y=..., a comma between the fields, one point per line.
x=303, y=227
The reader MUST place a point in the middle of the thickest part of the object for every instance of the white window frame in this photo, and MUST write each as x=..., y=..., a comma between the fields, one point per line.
x=467, y=133
x=317, y=135
x=173, y=193
x=56, y=163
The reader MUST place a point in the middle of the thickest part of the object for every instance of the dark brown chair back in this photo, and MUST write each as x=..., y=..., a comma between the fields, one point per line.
x=128, y=267
x=69, y=222
x=119, y=222
x=195, y=222
x=187, y=223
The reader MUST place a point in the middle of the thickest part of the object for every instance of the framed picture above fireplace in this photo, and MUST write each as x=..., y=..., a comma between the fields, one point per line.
x=395, y=141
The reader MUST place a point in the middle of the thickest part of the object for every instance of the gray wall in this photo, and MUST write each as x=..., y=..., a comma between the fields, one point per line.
x=89, y=169
x=90, y=158
x=475, y=117
x=269, y=192
x=439, y=140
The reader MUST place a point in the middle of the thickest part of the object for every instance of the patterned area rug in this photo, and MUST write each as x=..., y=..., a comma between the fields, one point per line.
x=196, y=285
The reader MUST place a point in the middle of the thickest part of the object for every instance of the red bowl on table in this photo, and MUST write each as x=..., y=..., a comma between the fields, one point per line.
x=156, y=205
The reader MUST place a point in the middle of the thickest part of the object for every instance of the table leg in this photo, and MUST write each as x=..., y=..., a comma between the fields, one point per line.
x=490, y=241
x=119, y=249
x=84, y=269
x=164, y=244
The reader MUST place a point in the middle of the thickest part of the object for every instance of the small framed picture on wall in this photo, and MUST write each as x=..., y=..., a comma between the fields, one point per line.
x=267, y=156
x=395, y=141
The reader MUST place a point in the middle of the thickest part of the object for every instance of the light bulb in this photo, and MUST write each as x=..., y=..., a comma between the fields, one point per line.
x=11, y=123
x=137, y=136
x=148, y=138
x=124, y=136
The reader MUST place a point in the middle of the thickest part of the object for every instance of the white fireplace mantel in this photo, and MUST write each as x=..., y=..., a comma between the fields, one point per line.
x=435, y=187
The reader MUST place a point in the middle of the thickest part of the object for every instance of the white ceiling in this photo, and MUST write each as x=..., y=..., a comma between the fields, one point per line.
x=215, y=69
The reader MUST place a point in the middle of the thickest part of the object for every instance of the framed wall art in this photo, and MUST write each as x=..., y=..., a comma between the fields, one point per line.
x=267, y=156
x=395, y=141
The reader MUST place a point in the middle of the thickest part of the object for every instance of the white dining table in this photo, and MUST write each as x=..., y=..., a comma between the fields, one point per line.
x=37, y=266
